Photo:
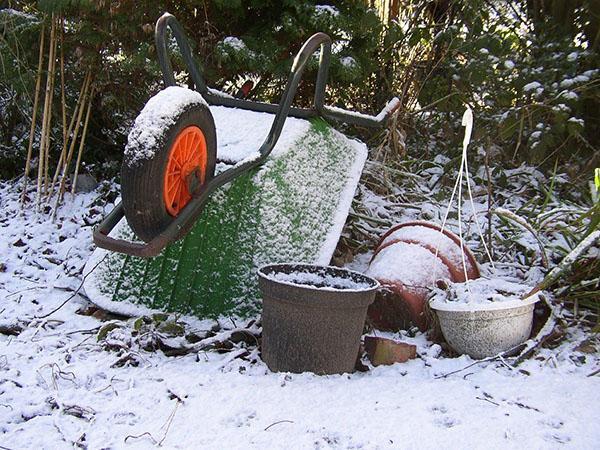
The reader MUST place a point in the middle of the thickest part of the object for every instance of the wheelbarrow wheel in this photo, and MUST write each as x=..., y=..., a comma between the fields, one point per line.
x=157, y=189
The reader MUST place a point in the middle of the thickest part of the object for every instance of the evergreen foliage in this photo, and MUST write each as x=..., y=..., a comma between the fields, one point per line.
x=233, y=41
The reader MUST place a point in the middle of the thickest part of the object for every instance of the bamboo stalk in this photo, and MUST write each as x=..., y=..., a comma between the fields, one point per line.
x=65, y=168
x=66, y=141
x=38, y=85
x=49, y=127
x=66, y=131
x=82, y=140
x=42, y=158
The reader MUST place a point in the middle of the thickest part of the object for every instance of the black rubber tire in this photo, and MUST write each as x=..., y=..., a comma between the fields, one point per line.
x=142, y=184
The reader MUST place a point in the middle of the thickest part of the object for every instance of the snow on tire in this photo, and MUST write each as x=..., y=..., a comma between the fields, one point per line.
x=171, y=150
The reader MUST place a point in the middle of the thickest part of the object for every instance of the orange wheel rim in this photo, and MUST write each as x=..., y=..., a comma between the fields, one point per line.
x=187, y=160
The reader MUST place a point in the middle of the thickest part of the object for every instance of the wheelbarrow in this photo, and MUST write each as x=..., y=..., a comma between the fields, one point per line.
x=168, y=176
x=191, y=231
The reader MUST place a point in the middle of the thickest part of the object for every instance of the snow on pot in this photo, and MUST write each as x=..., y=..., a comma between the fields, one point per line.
x=482, y=318
x=313, y=317
x=408, y=260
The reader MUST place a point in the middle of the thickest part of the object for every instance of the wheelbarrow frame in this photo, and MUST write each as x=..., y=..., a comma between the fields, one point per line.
x=282, y=110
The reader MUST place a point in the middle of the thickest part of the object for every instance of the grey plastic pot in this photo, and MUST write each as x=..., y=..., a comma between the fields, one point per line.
x=313, y=317
x=481, y=331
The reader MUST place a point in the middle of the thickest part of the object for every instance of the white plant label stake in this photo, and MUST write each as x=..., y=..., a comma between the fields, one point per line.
x=467, y=122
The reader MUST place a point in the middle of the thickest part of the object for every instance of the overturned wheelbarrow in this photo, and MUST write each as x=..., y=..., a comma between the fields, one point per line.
x=408, y=260
x=204, y=203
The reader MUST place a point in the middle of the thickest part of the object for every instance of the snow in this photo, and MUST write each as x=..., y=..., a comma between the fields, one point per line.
x=509, y=64
x=322, y=280
x=568, y=82
x=384, y=112
x=346, y=197
x=348, y=62
x=439, y=241
x=327, y=9
x=240, y=133
x=59, y=386
x=536, y=135
x=482, y=293
x=577, y=121
x=531, y=86
x=410, y=264
x=13, y=13
x=569, y=95
x=235, y=43
x=157, y=115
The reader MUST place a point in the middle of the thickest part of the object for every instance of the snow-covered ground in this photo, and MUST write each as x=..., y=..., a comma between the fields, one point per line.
x=60, y=387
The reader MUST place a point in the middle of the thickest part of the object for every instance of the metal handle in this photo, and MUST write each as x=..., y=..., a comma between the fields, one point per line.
x=310, y=46
x=144, y=250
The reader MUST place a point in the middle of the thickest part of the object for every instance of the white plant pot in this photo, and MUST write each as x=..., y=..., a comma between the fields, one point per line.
x=481, y=331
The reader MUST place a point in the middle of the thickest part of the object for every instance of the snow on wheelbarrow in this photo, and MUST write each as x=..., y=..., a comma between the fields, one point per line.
x=206, y=199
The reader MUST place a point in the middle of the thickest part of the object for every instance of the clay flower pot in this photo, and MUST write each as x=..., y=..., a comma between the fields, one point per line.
x=408, y=260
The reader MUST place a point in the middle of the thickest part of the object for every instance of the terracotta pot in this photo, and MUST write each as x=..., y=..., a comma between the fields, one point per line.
x=409, y=259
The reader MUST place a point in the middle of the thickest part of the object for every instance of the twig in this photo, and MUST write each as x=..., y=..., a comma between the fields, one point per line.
x=145, y=433
x=86, y=331
x=487, y=400
x=595, y=372
x=170, y=420
x=521, y=125
x=52, y=76
x=74, y=292
x=474, y=363
x=63, y=155
x=23, y=290
x=499, y=357
x=278, y=422
x=167, y=424
x=489, y=198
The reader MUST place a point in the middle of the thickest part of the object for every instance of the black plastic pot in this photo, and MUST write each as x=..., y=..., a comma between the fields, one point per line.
x=313, y=317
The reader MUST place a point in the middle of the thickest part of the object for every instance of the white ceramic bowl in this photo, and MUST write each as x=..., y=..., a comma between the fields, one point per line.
x=481, y=331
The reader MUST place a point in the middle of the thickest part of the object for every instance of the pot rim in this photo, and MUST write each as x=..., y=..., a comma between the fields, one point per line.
x=374, y=285
x=492, y=306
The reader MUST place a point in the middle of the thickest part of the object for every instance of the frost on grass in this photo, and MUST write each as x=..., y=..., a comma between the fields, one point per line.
x=158, y=115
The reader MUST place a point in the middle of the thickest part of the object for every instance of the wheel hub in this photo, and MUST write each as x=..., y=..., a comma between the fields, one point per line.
x=186, y=169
